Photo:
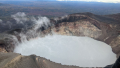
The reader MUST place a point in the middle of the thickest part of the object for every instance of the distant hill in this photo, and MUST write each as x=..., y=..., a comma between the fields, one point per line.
x=1, y=4
x=55, y=8
x=115, y=16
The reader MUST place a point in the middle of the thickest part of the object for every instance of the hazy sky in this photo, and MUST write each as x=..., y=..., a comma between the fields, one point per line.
x=107, y=1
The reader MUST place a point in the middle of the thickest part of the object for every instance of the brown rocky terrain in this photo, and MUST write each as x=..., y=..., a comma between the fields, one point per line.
x=114, y=16
x=102, y=28
x=14, y=60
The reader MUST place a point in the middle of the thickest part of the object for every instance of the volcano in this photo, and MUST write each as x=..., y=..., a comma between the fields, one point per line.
x=67, y=41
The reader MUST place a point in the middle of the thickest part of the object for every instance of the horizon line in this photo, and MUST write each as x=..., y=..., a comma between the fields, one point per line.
x=66, y=1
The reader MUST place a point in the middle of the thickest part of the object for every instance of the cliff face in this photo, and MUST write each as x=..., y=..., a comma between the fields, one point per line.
x=114, y=16
x=14, y=60
x=86, y=24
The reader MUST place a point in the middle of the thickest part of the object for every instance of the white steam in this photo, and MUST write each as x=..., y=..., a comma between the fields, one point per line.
x=69, y=50
x=62, y=17
x=35, y=30
x=1, y=21
x=9, y=24
x=20, y=17
x=41, y=22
